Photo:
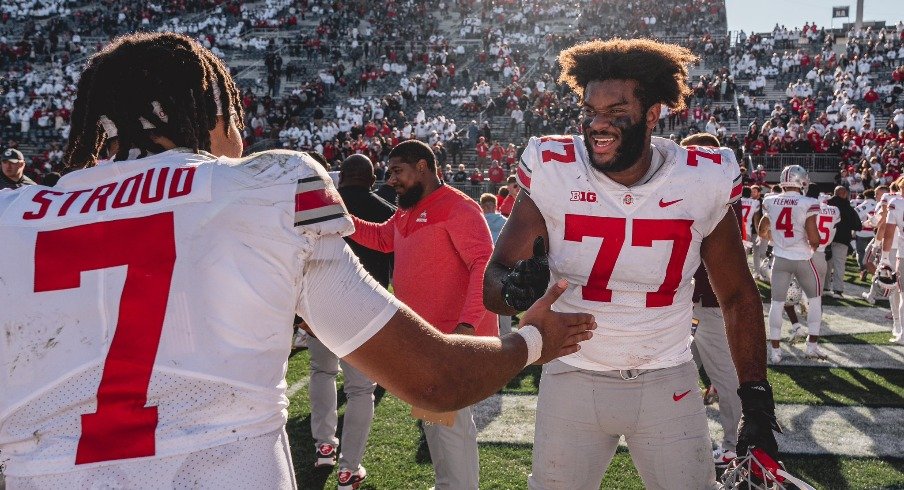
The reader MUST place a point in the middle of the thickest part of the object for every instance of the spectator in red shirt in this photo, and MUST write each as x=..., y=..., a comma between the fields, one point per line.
x=482, y=151
x=505, y=208
x=496, y=174
x=511, y=156
x=758, y=147
x=442, y=244
x=476, y=177
x=497, y=152
x=871, y=96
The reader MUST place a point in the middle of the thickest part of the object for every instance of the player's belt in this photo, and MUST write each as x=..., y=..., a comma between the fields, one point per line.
x=629, y=374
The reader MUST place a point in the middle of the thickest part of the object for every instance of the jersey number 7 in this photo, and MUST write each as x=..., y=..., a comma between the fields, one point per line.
x=644, y=233
x=122, y=427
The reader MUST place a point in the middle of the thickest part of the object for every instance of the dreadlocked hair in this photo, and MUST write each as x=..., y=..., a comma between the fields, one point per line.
x=122, y=81
x=659, y=69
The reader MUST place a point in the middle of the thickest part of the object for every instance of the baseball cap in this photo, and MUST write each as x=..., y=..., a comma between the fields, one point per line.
x=13, y=154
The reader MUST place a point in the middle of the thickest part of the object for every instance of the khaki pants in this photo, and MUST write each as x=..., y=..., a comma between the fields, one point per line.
x=454, y=452
x=581, y=414
x=711, y=342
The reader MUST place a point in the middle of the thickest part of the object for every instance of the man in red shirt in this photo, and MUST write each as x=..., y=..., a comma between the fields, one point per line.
x=482, y=151
x=497, y=152
x=505, y=208
x=476, y=177
x=496, y=174
x=442, y=244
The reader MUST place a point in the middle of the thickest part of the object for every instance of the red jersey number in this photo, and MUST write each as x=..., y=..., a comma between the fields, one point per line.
x=644, y=233
x=745, y=217
x=122, y=427
x=784, y=222
x=694, y=153
x=555, y=156
x=824, y=231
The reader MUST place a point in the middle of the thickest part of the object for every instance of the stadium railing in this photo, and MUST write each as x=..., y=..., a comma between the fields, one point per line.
x=813, y=162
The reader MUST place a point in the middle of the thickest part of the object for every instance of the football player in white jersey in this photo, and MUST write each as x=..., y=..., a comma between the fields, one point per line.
x=750, y=214
x=826, y=222
x=789, y=220
x=760, y=246
x=894, y=224
x=894, y=299
x=628, y=218
x=866, y=211
x=154, y=293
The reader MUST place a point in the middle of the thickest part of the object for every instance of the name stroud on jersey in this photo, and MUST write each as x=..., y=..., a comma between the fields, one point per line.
x=141, y=189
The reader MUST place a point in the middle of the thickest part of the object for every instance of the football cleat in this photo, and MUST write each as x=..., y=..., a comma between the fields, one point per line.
x=798, y=333
x=351, y=480
x=723, y=457
x=813, y=352
x=869, y=299
x=326, y=455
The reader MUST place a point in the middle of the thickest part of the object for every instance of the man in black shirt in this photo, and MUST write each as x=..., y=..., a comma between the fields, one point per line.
x=850, y=222
x=356, y=177
x=460, y=176
x=12, y=164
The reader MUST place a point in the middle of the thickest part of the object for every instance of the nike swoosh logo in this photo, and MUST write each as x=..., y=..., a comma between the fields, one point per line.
x=665, y=204
x=677, y=397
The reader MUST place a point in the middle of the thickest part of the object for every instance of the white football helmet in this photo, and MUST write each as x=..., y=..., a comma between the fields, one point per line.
x=794, y=294
x=794, y=176
x=886, y=281
x=758, y=471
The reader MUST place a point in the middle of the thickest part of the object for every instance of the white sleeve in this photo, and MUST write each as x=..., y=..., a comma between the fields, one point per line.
x=529, y=159
x=339, y=300
x=892, y=215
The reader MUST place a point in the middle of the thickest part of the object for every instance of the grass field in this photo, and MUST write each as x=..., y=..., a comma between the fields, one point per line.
x=397, y=458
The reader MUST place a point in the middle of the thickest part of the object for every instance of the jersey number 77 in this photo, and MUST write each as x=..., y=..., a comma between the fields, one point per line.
x=644, y=233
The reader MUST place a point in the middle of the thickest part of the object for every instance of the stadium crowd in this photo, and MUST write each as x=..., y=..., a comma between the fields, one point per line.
x=348, y=80
x=353, y=81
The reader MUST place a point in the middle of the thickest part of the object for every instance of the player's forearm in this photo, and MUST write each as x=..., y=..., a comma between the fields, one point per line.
x=492, y=289
x=434, y=371
x=746, y=332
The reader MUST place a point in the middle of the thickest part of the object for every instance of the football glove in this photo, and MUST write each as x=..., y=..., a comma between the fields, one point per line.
x=828, y=252
x=757, y=419
x=528, y=280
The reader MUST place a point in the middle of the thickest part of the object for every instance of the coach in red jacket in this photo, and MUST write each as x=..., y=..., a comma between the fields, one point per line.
x=442, y=245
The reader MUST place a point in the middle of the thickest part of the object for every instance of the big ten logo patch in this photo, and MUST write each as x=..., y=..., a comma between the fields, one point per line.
x=583, y=196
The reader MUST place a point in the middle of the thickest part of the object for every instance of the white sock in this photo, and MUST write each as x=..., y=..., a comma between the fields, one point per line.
x=775, y=319
x=814, y=315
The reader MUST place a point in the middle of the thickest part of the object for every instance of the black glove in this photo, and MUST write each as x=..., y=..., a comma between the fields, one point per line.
x=829, y=252
x=757, y=419
x=528, y=280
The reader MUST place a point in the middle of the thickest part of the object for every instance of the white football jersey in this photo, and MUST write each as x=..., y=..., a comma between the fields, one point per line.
x=148, y=295
x=866, y=211
x=788, y=212
x=886, y=200
x=749, y=208
x=826, y=223
x=896, y=218
x=629, y=253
